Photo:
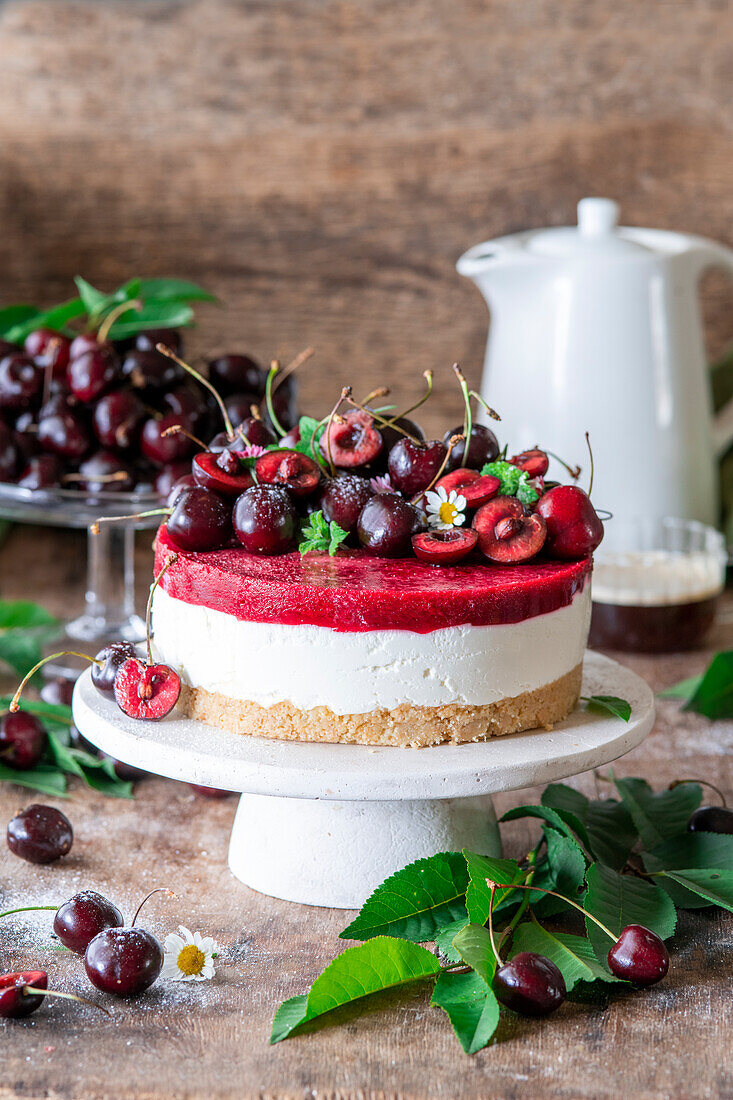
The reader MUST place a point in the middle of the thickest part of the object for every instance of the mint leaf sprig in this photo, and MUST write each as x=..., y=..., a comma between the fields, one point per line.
x=513, y=481
x=625, y=860
x=321, y=535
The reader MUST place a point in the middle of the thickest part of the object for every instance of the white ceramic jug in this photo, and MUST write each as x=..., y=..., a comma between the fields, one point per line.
x=597, y=328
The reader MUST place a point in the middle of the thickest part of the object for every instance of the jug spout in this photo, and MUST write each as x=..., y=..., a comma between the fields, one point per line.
x=493, y=267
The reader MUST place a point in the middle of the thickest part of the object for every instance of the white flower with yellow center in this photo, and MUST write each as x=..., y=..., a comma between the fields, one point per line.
x=188, y=957
x=445, y=510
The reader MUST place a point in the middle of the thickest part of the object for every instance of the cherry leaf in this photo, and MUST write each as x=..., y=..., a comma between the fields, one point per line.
x=473, y=944
x=572, y=955
x=658, y=816
x=617, y=900
x=471, y=1007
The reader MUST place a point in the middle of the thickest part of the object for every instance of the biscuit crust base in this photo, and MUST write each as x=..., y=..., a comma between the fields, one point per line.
x=404, y=727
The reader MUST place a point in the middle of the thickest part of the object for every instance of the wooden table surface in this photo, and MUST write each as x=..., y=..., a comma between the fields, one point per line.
x=211, y=1040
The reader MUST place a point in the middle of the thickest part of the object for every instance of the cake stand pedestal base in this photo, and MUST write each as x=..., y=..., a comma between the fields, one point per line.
x=325, y=824
x=339, y=852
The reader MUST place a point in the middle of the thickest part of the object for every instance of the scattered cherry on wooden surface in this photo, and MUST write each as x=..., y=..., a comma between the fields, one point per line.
x=639, y=956
x=17, y=993
x=530, y=984
x=40, y=834
x=83, y=917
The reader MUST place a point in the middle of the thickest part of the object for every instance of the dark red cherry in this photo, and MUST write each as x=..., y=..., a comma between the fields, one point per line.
x=40, y=834
x=91, y=374
x=9, y=455
x=291, y=469
x=151, y=370
x=41, y=472
x=506, y=534
x=265, y=520
x=484, y=447
x=534, y=462
x=105, y=472
x=256, y=433
x=84, y=342
x=113, y=656
x=573, y=527
x=239, y=406
x=186, y=482
x=473, y=487
x=125, y=771
x=168, y=476
x=223, y=472
x=123, y=961
x=148, y=339
x=21, y=381
x=144, y=691
x=639, y=956
x=49, y=350
x=444, y=547
x=209, y=792
x=530, y=984
x=412, y=466
x=200, y=521
x=352, y=442
x=117, y=418
x=22, y=740
x=391, y=434
x=386, y=525
x=58, y=691
x=191, y=404
x=711, y=819
x=342, y=499
x=237, y=374
x=162, y=449
x=83, y=917
x=63, y=433
x=15, y=999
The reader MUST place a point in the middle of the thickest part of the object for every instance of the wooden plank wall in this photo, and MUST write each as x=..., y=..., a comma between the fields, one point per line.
x=322, y=163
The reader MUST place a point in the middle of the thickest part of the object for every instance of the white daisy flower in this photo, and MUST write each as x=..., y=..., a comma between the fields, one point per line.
x=188, y=957
x=445, y=510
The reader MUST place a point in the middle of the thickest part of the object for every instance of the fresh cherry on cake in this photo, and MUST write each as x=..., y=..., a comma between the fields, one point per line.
x=123, y=961
x=265, y=520
x=395, y=431
x=91, y=374
x=639, y=956
x=291, y=438
x=107, y=663
x=17, y=996
x=530, y=984
x=237, y=374
x=146, y=691
x=475, y=488
x=200, y=520
x=41, y=472
x=483, y=447
x=63, y=433
x=352, y=440
x=239, y=406
x=40, y=834
x=534, y=462
x=256, y=433
x=444, y=547
x=187, y=481
x=161, y=448
x=573, y=527
x=22, y=740
x=413, y=466
x=711, y=819
x=386, y=525
x=223, y=472
x=83, y=917
x=168, y=476
x=117, y=418
x=21, y=381
x=291, y=469
x=48, y=349
x=506, y=534
x=342, y=498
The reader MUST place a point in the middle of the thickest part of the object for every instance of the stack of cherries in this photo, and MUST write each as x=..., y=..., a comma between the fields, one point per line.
x=93, y=414
x=371, y=474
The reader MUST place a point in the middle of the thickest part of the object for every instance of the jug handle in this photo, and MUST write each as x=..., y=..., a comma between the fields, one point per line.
x=718, y=255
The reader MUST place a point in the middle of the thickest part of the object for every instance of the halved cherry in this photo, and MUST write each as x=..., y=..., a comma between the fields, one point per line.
x=474, y=487
x=444, y=547
x=291, y=469
x=352, y=440
x=535, y=462
x=146, y=691
x=506, y=534
x=222, y=473
x=15, y=1000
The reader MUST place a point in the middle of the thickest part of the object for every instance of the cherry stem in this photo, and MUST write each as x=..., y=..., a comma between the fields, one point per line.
x=524, y=904
x=15, y=701
x=204, y=382
x=65, y=996
x=273, y=371
x=169, y=561
x=574, y=471
x=491, y=925
x=702, y=783
x=467, y=415
x=302, y=357
x=590, y=452
x=28, y=909
x=381, y=391
x=94, y=527
x=384, y=422
x=488, y=409
x=123, y=307
x=345, y=395
x=158, y=890
x=119, y=475
x=542, y=890
x=178, y=429
x=453, y=442
x=428, y=376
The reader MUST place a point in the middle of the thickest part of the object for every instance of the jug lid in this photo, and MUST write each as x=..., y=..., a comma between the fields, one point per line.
x=597, y=232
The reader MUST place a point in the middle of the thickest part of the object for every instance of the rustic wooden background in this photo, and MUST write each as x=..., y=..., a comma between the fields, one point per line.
x=321, y=164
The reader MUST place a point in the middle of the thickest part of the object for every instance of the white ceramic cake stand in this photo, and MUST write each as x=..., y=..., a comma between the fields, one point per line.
x=325, y=824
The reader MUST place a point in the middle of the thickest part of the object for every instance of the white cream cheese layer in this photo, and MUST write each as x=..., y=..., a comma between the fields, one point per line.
x=354, y=673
